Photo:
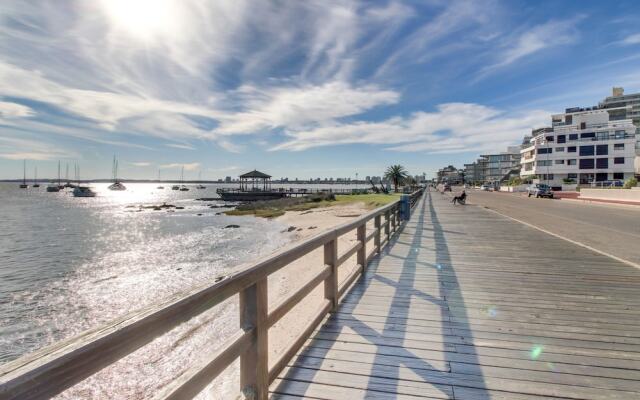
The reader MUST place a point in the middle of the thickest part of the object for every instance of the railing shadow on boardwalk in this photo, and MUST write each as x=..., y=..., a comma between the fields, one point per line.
x=384, y=376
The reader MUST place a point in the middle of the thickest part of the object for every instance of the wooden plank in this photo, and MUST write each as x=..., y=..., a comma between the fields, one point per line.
x=331, y=282
x=473, y=322
x=287, y=304
x=361, y=235
x=349, y=281
x=254, y=361
x=297, y=344
x=197, y=377
x=347, y=254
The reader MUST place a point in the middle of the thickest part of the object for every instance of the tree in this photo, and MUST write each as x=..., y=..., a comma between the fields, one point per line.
x=396, y=174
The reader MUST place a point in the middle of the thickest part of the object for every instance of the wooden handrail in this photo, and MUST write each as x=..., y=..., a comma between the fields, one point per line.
x=49, y=371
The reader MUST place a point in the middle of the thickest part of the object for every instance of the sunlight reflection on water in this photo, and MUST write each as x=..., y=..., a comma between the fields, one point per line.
x=68, y=264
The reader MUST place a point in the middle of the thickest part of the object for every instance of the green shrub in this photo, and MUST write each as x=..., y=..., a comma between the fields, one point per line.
x=631, y=182
x=568, y=181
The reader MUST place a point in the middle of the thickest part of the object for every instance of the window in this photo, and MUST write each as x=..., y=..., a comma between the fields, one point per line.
x=602, y=135
x=587, y=135
x=618, y=175
x=571, y=149
x=572, y=176
x=601, y=176
x=549, y=138
x=618, y=160
x=543, y=163
x=583, y=125
x=586, y=150
x=573, y=136
x=620, y=134
x=602, y=163
x=562, y=138
x=586, y=163
x=602, y=149
x=571, y=162
x=559, y=161
x=618, y=146
x=545, y=151
x=559, y=149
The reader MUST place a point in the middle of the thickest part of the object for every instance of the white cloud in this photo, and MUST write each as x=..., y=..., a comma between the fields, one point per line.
x=187, y=166
x=141, y=164
x=180, y=146
x=453, y=127
x=533, y=40
x=631, y=39
x=13, y=110
x=296, y=107
x=14, y=148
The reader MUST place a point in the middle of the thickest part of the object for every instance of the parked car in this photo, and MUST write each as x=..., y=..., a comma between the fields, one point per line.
x=540, y=190
x=485, y=187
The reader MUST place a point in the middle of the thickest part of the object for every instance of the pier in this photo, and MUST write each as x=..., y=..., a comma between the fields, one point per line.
x=455, y=303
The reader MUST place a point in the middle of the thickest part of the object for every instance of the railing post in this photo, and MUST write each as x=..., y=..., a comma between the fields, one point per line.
x=376, y=238
x=386, y=224
x=254, y=361
x=331, y=283
x=362, y=238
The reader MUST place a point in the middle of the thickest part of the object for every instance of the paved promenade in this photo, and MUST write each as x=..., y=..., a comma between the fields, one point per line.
x=466, y=304
x=611, y=228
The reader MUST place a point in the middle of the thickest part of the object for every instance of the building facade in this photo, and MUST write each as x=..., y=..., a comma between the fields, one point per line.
x=449, y=174
x=584, y=146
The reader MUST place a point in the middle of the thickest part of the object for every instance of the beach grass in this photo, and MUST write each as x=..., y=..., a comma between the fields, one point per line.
x=276, y=208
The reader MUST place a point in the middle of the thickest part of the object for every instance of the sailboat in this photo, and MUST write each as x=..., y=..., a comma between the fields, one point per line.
x=200, y=185
x=55, y=188
x=68, y=184
x=183, y=188
x=116, y=185
x=159, y=187
x=35, y=179
x=24, y=185
x=82, y=191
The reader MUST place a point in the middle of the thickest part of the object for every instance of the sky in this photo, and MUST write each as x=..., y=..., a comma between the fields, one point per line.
x=296, y=88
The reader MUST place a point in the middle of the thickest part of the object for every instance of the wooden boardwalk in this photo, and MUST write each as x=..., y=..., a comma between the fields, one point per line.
x=465, y=304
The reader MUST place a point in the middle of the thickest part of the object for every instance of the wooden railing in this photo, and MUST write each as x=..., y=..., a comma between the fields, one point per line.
x=53, y=369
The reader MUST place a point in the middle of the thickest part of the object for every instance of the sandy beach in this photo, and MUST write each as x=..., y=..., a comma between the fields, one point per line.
x=284, y=282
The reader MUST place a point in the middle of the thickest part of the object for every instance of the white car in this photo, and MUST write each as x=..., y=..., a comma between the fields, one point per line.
x=486, y=188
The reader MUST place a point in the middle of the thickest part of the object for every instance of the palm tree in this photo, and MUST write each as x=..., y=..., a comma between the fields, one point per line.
x=396, y=174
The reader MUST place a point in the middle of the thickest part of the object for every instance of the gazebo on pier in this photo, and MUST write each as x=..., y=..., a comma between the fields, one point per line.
x=255, y=181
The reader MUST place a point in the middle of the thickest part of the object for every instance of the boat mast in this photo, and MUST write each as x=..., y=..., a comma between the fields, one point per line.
x=58, y=173
x=24, y=172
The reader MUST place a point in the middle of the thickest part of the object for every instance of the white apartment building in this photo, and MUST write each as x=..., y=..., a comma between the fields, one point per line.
x=585, y=145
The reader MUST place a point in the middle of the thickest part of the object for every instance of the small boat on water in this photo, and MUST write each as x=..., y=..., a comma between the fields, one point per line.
x=83, y=191
x=200, y=185
x=116, y=185
x=175, y=187
x=24, y=185
x=160, y=187
x=35, y=179
x=55, y=188
x=183, y=188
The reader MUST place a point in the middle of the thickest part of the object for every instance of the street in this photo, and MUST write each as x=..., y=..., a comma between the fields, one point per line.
x=610, y=229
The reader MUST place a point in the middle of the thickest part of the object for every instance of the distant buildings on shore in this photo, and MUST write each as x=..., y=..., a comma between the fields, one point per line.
x=598, y=144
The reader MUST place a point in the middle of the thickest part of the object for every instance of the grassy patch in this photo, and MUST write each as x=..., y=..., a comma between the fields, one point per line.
x=276, y=208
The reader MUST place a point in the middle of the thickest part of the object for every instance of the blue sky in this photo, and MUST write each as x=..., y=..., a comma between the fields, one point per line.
x=296, y=88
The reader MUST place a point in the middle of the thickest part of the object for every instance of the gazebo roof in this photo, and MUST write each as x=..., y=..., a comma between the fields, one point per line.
x=255, y=174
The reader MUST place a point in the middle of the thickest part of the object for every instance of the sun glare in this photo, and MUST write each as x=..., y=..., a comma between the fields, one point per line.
x=141, y=18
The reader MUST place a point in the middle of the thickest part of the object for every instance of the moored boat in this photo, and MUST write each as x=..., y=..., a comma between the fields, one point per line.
x=83, y=191
x=116, y=185
x=24, y=185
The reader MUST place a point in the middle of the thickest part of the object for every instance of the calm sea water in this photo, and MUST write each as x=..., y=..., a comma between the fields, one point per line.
x=69, y=264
